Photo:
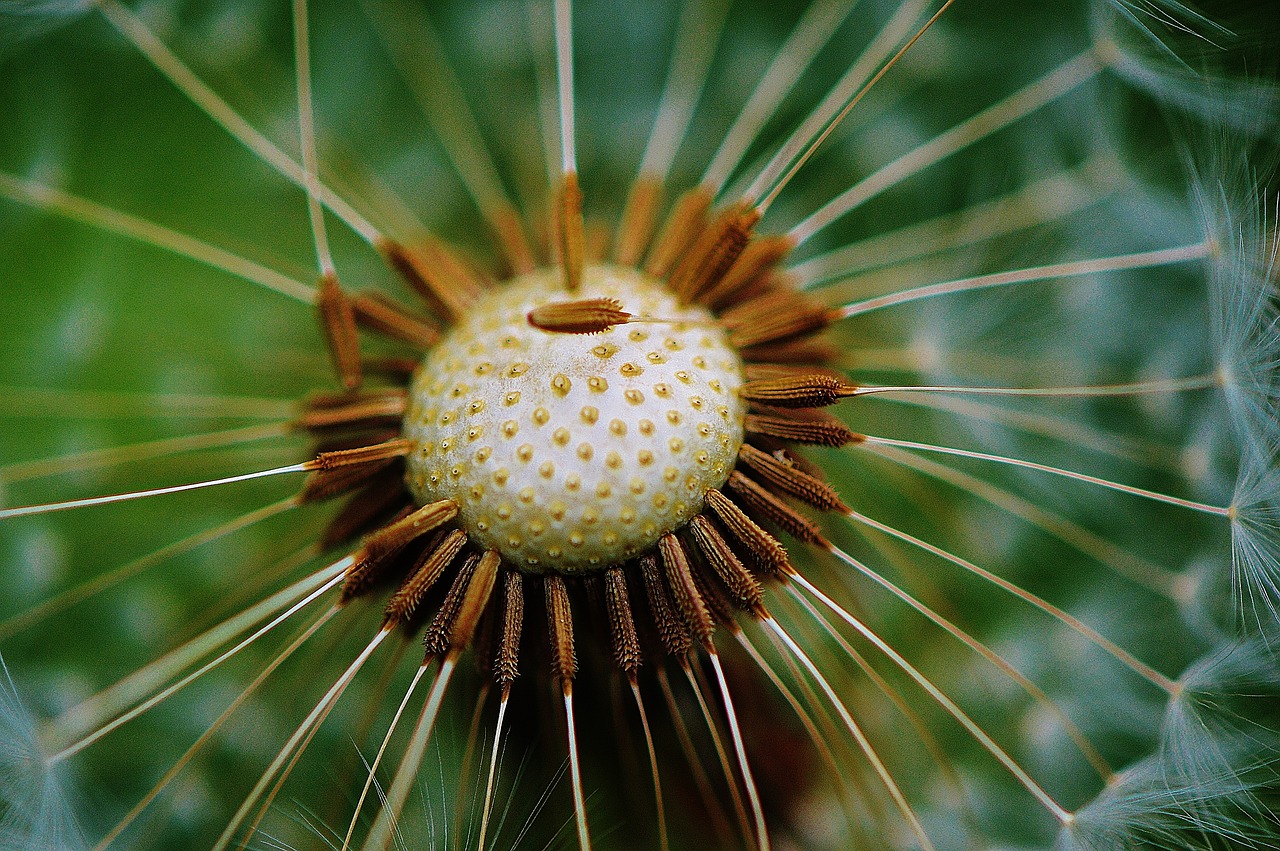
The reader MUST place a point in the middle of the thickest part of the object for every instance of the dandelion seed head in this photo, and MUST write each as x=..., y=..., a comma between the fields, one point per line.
x=575, y=452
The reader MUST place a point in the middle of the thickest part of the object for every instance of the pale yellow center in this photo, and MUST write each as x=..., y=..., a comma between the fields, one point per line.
x=570, y=452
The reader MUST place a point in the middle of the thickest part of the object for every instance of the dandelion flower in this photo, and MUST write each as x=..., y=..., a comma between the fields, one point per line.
x=534, y=425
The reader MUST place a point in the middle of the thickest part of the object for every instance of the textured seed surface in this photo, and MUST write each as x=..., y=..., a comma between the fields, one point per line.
x=566, y=452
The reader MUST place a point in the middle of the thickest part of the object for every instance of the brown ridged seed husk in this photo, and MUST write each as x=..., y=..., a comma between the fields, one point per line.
x=508, y=227
x=432, y=275
x=639, y=217
x=326, y=484
x=807, y=350
x=802, y=425
x=688, y=219
x=564, y=662
x=571, y=231
x=812, y=390
x=680, y=577
x=378, y=313
x=379, y=498
x=715, y=251
x=774, y=318
x=476, y=601
x=360, y=455
x=436, y=639
x=768, y=506
x=587, y=316
x=425, y=574
x=673, y=632
x=741, y=584
x=338, y=320
x=756, y=260
x=791, y=480
x=360, y=412
x=395, y=536
x=506, y=663
x=767, y=555
x=622, y=626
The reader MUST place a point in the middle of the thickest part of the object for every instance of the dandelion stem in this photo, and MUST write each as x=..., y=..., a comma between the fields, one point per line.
x=945, y=702
x=1111, y=648
x=312, y=587
x=664, y=841
x=820, y=21
x=1034, y=691
x=213, y=728
x=1143, y=260
x=806, y=719
x=697, y=35
x=1059, y=82
x=28, y=510
x=105, y=218
x=864, y=744
x=79, y=593
x=199, y=92
x=698, y=686
x=1051, y=198
x=575, y=771
x=863, y=67
x=757, y=809
x=307, y=130
x=382, y=749
x=1045, y=468
x=1135, y=388
x=380, y=836
x=87, y=404
x=415, y=49
x=710, y=801
x=493, y=766
x=812, y=148
x=112, y=455
x=301, y=736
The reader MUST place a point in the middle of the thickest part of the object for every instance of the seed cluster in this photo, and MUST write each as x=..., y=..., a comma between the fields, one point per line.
x=573, y=452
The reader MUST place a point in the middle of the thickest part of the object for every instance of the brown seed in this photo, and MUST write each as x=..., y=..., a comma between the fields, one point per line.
x=725, y=563
x=672, y=630
x=805, y=350
x=570, y=230
x=680, y=577
x=588, y=316
x=802, y=425
x=757, y=260
x=714, y=252
x=337, y=319
x=506, y=662
x=436, y=639
x=375, y=502
x=564, y=664
x=776, y=511
x=811, y=390
x=775, y=318
x=434, y=274
x=476, y=601
x=426, y=572
x=639, y=217
x=789, y=479
x=363, y=411
x=688, y=219
x=767, y=555
x=508, y=227
x=622, y=626
x=378, y=313
x=375, y=454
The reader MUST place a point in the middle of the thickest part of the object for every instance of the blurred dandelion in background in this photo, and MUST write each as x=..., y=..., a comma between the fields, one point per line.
x=848, y=425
